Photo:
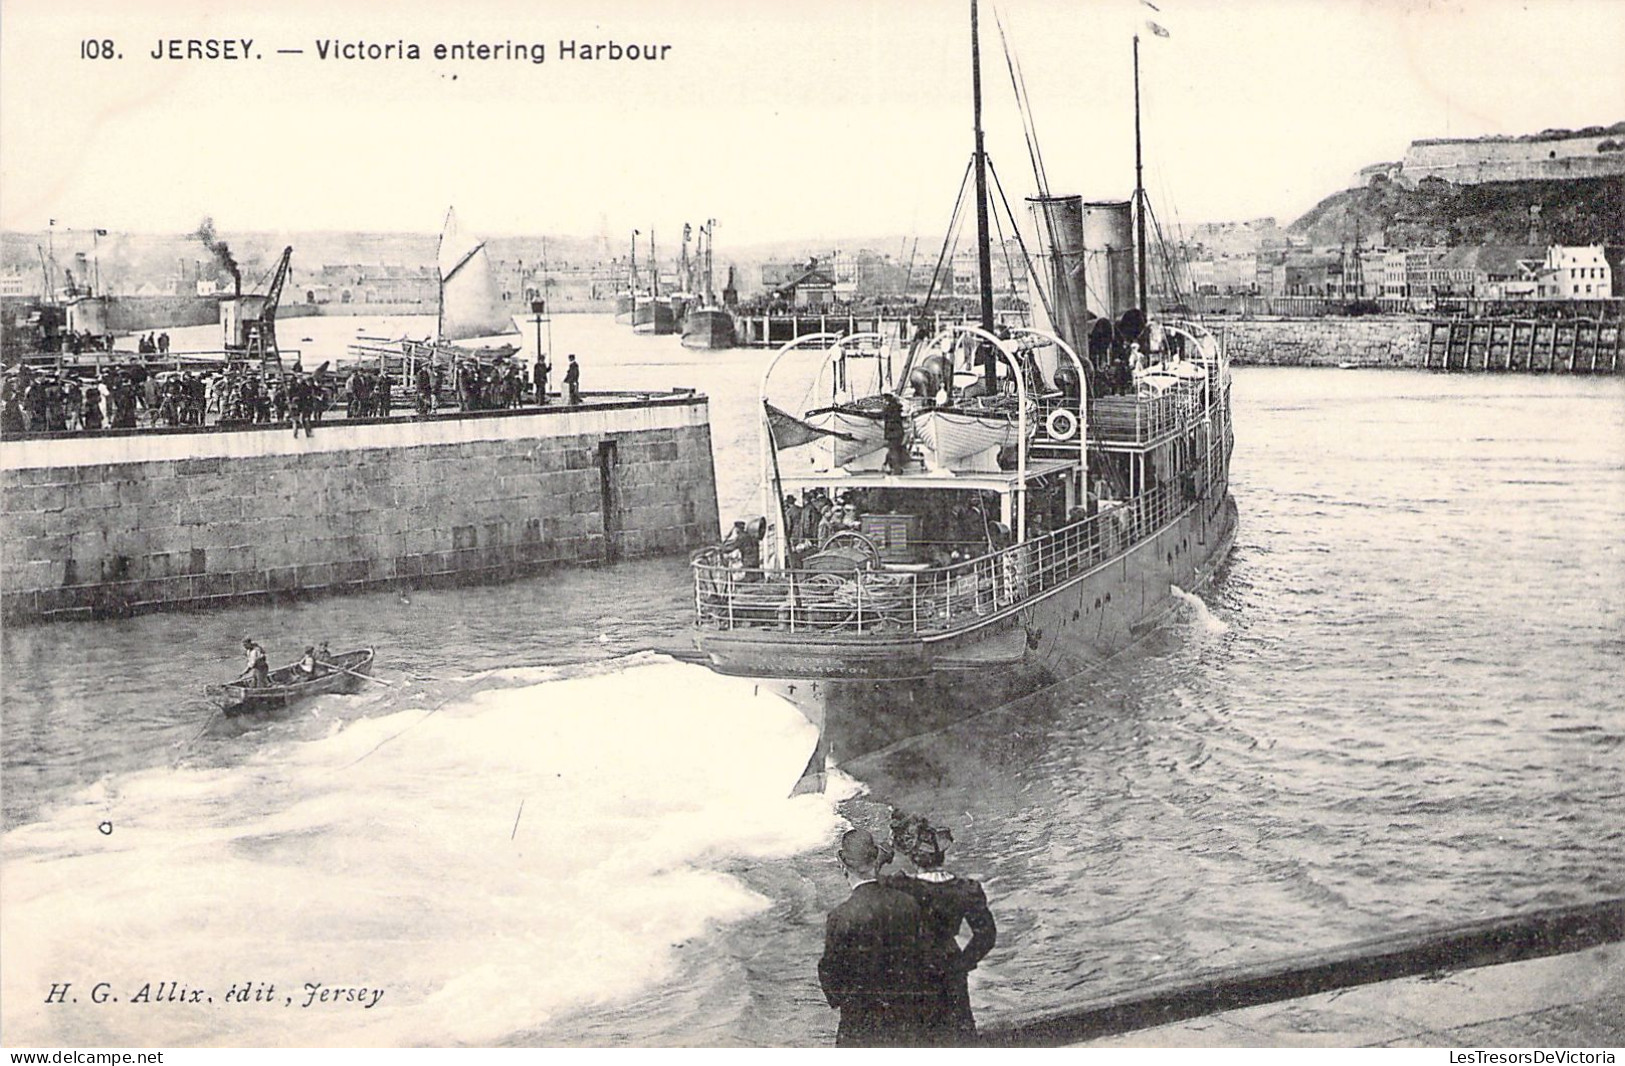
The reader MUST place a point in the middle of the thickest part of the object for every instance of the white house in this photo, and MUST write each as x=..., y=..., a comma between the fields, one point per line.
x=1578, y=273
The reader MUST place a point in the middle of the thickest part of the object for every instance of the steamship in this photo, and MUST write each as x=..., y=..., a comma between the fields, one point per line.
x=1012, y=506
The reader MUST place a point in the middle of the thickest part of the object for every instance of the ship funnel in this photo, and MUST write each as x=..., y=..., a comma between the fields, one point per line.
x=1060, y=239
x=1108, y=237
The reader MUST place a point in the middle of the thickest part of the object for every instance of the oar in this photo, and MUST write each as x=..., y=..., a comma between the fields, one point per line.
x=353, y=673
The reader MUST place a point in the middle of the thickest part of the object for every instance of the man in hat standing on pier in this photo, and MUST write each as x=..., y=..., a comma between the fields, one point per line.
x=572, y=380
x=872, y=966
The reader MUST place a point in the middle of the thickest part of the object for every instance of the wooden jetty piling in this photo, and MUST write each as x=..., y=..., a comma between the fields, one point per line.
x=1565, y=345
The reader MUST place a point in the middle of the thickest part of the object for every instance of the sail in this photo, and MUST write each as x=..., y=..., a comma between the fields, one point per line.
x=470, y=303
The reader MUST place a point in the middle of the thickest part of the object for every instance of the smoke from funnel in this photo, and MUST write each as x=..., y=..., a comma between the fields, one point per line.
x=221, y=251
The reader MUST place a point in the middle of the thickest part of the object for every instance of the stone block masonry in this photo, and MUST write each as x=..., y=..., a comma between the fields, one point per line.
x=121, y=522
x=1565, y=345
x=1368, y=342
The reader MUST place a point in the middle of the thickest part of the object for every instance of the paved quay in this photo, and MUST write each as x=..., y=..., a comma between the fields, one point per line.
x=1551, y=978
x=1561, y=1001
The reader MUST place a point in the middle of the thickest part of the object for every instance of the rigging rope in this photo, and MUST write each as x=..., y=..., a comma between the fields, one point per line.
x=1043, y=297
x=950, y=237
x=1035, y=156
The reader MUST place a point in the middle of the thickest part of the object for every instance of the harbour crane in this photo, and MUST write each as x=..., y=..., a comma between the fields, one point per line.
x=251, y=322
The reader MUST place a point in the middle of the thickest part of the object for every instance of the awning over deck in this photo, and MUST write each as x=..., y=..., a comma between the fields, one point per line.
x=1000, y=481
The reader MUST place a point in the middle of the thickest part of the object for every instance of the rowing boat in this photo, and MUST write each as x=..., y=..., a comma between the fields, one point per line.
x=343, y=673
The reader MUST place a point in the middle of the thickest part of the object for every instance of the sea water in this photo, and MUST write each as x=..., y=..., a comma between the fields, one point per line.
x=1397, y=707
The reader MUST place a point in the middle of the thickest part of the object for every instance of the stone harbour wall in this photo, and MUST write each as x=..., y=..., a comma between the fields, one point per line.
x=121, y=522
x=1367, y=342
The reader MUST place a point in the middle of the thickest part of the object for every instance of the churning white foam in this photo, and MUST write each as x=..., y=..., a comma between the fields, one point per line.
x=1197, y=611
x=518, y=853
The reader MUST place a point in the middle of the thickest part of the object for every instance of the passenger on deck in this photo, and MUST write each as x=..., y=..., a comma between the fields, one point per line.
x=807, y=527
x=743, y=543
x=308, y=666
x=792, y=521
x=896, y=436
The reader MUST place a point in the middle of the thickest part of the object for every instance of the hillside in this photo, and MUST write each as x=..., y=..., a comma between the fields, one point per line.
x=1577, y=211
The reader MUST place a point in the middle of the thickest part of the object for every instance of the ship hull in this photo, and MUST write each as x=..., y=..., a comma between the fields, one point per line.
x=625, y=305
x=866, y=702
x=709, y=328
x=653, y=316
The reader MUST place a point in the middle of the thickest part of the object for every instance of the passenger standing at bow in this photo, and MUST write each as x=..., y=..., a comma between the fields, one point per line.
x=748, y=546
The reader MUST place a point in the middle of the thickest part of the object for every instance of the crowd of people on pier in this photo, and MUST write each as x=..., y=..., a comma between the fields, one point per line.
x=136, y=394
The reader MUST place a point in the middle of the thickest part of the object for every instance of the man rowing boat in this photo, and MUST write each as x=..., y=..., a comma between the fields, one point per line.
x=256, y=665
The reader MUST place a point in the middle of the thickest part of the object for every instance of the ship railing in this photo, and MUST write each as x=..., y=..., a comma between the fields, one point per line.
x=1142, y=418
x=940, y=599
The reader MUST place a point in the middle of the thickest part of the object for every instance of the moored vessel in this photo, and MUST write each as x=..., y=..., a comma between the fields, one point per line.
x=707, y=323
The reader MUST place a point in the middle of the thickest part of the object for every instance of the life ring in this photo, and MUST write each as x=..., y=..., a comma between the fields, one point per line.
x=1061, y=424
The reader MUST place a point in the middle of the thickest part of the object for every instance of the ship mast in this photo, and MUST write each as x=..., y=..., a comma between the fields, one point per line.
x=984, y=257
x=1139, y=187
x=654, y=267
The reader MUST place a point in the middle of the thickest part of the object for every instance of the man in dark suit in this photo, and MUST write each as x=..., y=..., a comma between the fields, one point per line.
x=572, y=381
x=871, y=969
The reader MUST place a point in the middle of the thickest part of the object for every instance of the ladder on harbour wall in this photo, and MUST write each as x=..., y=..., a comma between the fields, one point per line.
x=1553, y=345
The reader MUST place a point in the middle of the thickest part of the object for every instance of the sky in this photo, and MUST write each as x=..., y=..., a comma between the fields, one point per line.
x=783, y=121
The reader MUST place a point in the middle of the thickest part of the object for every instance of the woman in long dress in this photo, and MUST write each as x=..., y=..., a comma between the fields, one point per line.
x=946, y=904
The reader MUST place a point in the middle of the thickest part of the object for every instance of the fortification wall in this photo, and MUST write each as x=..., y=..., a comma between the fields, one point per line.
x=122, y=522
x=1367, y=342
x=1472, y=162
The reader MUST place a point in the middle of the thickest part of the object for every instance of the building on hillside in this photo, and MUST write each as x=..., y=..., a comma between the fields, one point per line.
x=1615, y=254
x=1313, y=273
x=1394, y=285
x=1421, y=273
x=1491, y=271
x=1269, y=272
x=1576, y=273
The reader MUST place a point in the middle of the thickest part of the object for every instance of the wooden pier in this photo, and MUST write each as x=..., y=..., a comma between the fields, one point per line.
x=772, y=330
x=1547, y=345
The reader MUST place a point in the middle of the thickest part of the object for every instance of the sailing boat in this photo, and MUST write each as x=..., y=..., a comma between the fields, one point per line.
x=470, y=302
x=470, y=307
x=710, y=324
x=981, y=574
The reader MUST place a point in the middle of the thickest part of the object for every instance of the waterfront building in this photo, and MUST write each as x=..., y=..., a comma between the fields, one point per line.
x=1490, y=271
x=1576, y=273
x=812, y=289
x=1421, y=273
